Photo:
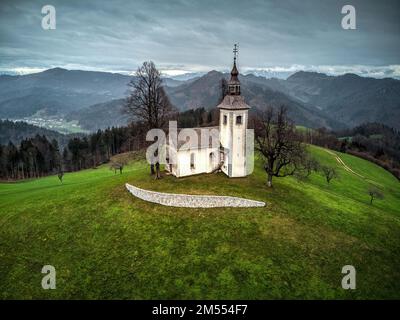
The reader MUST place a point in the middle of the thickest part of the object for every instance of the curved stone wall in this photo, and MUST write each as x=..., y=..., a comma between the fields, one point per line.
x=191, y=201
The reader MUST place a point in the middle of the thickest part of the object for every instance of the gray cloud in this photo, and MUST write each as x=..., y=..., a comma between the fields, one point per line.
x=198, y=35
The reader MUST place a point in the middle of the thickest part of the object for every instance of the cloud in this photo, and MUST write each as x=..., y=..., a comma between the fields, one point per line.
x=197, y=36
x=392, y=71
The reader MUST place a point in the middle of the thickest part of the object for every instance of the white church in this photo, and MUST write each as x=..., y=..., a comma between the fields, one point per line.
x=224, y=147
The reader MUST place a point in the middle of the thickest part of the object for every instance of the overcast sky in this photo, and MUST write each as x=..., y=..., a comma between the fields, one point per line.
x=198, y=35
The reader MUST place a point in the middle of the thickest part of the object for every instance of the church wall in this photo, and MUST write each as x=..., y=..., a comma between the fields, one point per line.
x=202, y=162
x=225, y=136
x=239, y=145
x=233, y=137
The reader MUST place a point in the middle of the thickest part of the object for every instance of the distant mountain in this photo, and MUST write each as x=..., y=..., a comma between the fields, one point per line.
x=100, y=116
x=270, y=73
x=206, y=92
x=202, y=92
x=349, y=98
x=187, y=76
x=172, y=82
x=94, y=98
x=17, y=131
x=59, y=91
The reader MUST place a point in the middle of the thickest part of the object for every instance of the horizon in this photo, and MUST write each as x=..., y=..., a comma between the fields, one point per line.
x=283, y=75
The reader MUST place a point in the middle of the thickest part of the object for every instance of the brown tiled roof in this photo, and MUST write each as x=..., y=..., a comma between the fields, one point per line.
x=233, y=103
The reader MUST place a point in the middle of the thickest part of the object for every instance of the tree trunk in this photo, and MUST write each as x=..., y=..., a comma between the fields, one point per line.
x=269, y=180
x=158, y=176
x=152, y=169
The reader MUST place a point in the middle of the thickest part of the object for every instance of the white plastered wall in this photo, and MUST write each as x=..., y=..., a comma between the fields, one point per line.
x=202, y=161
x=233, y=138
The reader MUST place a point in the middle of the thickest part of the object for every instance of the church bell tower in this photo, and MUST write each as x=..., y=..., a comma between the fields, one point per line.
x=233, y=125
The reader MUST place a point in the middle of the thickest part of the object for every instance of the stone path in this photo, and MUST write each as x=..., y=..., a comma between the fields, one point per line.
x=191, y=201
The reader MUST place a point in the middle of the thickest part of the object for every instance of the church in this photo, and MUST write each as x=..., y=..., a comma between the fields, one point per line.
x=220, y=148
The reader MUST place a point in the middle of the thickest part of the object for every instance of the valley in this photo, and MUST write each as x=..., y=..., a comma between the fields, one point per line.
x=55, y=123
x=83, y=101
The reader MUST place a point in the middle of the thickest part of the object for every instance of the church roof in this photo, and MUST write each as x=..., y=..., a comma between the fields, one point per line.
x=234, y=73
x=233, y=103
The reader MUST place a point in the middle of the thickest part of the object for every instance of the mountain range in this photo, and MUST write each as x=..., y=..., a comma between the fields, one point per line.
x=95, y=99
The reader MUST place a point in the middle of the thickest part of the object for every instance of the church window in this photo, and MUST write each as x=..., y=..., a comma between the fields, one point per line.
x=211, y=159
x=192, y=158
x=225, y=119
x=239, y=120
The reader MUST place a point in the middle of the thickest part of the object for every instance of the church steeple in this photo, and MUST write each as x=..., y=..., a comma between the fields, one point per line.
x=234, y=83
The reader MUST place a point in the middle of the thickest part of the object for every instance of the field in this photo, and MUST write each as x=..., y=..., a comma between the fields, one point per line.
x=104, y=243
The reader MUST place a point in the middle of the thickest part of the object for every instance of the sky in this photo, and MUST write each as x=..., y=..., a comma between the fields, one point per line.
x=183, y=36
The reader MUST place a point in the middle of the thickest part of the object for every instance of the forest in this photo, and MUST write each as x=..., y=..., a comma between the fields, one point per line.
x=39, y=156
x=44, y=154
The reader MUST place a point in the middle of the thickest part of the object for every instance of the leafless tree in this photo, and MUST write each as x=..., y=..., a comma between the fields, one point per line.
x=148, y=101
x=279, y=144
x=329, y=173
x=60, y=175
x=375, y=193
x=308, y=166
x=158, y=174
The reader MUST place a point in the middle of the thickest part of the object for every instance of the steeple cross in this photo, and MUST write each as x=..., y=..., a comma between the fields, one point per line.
x=235, y=51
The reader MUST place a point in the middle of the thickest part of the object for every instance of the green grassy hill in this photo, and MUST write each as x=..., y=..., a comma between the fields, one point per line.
x=104, y=243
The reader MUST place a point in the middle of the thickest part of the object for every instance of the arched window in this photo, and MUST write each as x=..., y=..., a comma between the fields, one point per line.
x=192, y=159
x=212, y=159
x=239, y=120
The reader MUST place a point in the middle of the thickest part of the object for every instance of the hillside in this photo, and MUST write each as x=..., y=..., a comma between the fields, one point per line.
x=17, y=131
x=100, y=116
x=106, y=244
x=58, y=91
x=349, y=98
x=206, y=92
x=313, y=99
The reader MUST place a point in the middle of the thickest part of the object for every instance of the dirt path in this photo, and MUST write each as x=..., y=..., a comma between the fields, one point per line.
x=348, y=169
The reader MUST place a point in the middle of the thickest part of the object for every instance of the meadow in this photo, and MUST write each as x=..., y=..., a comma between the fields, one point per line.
x=106, y=244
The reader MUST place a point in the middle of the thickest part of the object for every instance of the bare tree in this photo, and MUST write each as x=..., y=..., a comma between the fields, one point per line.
x=329, y=173
x=148, y=101
x=309, y=165
x=375, y=193
x=60, y=175
x=158, y=175
x=279, y=144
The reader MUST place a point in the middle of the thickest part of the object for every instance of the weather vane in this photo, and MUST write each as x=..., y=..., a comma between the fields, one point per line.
x=235, y=51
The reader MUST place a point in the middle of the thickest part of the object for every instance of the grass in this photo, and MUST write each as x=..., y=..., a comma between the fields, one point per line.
x=104, y=243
